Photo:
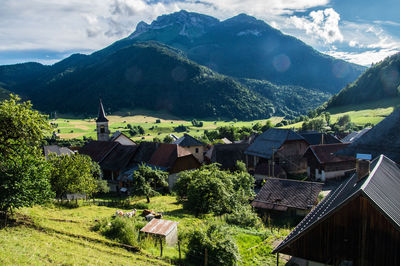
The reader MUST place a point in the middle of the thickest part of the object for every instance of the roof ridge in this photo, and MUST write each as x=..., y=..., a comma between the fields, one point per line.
x=366, y=182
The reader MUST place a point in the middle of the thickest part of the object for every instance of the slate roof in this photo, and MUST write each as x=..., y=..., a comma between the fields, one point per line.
x=327, y=153
x=57, y=150
x=384, y=138
x=187, y=141
x=144, y=152
x=272, y=139
x=166, y=155
x=118, y=158
x=280, y=194
x=381, y=187
x=315, y=138
x=355, y=135
x=159, y=227
x=101, y=117
x=97, y=150
x=228, y=154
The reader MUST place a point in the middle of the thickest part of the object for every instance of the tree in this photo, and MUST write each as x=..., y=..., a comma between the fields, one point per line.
x=328, y=118
x=168, y=139
x=71, y=174
x=23, y=169
x=146, y=181
x=344, y=120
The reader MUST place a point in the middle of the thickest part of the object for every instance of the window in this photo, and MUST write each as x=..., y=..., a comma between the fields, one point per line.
x=197, y=150
x=102, y=129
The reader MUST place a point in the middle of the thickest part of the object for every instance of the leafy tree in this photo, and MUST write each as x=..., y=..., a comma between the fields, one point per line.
x=72, y=174
x=221, y=247
x=156, y=139
x=344, y=120
x=328, y=118
x=23, y=169
x=146, y=181
x=168, y=139
x=314, y=124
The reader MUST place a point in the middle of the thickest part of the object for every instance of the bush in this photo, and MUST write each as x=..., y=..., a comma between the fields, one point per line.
x=244, y=217
x=141, y=205
x=221, y=248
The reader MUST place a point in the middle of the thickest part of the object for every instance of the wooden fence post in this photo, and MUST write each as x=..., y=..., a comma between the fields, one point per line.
x=160, y=247
x=205, y=257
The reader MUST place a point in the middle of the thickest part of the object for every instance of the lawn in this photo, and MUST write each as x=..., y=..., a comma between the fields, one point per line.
x=59, y=235
x=78, y=128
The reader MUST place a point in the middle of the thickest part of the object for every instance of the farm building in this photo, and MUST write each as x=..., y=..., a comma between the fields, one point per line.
x=120, y=137
x=286, y=195
x=162, y=228
x=193, y=145
x=283, y=147
x=356, y=224
x=323, y=163
x=173, y=159
x=384, y=138
x=227, y=155
x=317, y=138
x=56, y=150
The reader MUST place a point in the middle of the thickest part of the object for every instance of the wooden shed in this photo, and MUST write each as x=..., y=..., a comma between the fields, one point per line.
x=356, y=224
x=163, y=228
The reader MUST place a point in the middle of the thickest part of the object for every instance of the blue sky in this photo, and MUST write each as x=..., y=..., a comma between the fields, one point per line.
x=359, y=31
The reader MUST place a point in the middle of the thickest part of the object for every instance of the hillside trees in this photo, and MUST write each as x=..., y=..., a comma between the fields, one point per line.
x=23, y=169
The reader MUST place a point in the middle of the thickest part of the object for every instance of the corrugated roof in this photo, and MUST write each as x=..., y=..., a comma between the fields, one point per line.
x=287, y=193
x=97, y=150
x=381, y=187
x=271, y=140
x=187, y=141
x=316, y=138
x=326, y=153
x=159, y=227
x=384, y=138
x=166, y=155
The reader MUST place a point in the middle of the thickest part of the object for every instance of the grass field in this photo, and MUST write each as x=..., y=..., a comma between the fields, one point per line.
x=78, y=128
x=54, y=235
x=362, y=114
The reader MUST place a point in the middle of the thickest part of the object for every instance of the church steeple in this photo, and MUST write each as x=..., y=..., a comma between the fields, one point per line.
x=103, y=133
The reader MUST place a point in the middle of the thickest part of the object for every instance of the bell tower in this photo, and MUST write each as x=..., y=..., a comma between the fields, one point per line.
x=103, y=133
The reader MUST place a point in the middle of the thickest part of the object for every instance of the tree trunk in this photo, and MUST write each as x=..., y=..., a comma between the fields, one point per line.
x=148, y=199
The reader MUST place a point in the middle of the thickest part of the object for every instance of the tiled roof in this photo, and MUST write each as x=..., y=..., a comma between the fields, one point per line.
x=271, y=140
x=187, y=141
x=326, y=153
x=316, y=138
x=166, y=155
x=97, y=150
x=57, y=150
x=118, y=158
x=381, y=187
x=280, y=194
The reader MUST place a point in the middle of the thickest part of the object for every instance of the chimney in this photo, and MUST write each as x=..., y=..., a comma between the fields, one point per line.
x=362, y=168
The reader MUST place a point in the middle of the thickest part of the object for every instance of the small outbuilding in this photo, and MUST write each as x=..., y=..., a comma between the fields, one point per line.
x=163, y=228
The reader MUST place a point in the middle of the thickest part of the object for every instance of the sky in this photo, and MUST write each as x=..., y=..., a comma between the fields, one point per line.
x=46, y=31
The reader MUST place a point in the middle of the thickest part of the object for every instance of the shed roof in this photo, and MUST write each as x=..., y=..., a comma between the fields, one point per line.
x=327, y=153
x=166, y=155
x=316, y=138
x=159, y=227
x=187, y=141
x=98, y=150
x=384, y=138
x=270, y=140
x=280, y=194
x=381, y=187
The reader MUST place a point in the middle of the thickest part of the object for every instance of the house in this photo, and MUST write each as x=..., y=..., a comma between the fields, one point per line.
x=164, y=229
x=228, y=154
x=356, y=224
x=384, y=138
x=193, y=145
x=278, y=146
x=287, y=195
x=120, y=137
x=173, y=159
x=353, y=136
x=323, y=163
x=56, y=150
x=317, y=138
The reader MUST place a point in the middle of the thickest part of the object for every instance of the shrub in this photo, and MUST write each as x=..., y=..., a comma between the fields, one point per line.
x=221, y=248
x=244, y=217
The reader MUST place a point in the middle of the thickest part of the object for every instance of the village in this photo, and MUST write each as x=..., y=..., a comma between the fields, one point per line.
x=340, y=194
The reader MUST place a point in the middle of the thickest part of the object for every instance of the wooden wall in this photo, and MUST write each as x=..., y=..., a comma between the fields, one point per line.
x=357, y=232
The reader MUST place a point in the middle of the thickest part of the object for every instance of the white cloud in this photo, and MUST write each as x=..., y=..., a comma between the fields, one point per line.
x=321, y=24
x=364, y=58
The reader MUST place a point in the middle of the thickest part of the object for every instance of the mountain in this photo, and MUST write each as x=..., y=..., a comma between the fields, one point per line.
x=245, y=47
x=381, y=81
x=146, y=75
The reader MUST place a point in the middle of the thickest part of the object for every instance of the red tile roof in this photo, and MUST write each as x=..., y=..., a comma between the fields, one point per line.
x=166, y=155
x=326, y=153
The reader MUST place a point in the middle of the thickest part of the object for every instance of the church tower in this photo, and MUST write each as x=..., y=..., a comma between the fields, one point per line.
x=102, y=124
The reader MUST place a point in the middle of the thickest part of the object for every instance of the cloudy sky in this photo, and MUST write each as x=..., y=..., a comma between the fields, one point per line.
x=359, y=31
